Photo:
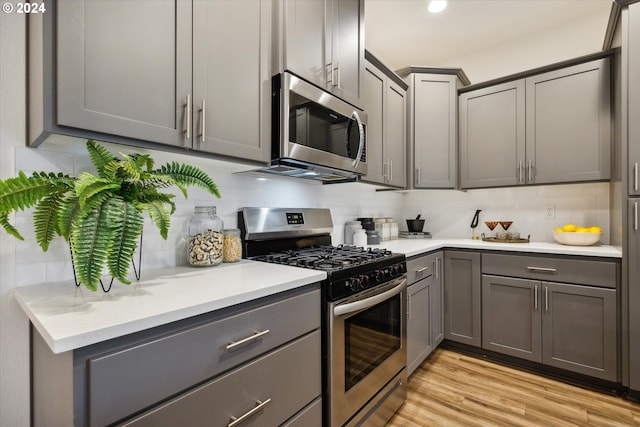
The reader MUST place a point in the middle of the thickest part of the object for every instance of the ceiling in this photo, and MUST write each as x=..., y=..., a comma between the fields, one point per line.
x=403, y=33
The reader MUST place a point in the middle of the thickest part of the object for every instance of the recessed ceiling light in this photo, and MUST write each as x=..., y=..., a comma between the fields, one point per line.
x=436, y=6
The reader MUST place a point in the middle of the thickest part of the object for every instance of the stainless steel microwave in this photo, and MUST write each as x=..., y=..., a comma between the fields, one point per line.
x=315, y=134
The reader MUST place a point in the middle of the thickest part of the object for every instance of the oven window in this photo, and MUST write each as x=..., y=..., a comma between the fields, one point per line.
x=370, y=337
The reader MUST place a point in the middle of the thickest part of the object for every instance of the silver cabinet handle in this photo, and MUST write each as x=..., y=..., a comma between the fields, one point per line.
x=235, y=421
x=329, y=72
x=438, y=263
x=520, y=171
x=390, y=170
x=542, y=269
x=530, y=170
x=335, y=78
x=384, y=172
x=419, y=173
x=408, y=306
x=187, y=118
x=546, y=298
x=420, y=270
x=635, y=177
x=246, y=340
x=535, y=297
x=203, y=116
x=635, y=216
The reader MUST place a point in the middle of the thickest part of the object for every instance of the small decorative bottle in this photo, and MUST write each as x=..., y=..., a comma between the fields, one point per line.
x=205, y=238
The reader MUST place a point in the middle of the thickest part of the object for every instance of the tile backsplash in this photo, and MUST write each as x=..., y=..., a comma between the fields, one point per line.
x=448, y=213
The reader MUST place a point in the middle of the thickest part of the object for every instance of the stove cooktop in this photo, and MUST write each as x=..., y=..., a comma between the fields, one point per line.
x=326, y=258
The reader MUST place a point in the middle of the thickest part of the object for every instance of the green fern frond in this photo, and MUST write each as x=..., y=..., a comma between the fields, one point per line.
x=92, y=239
x=45, y=220
x=159, y=214
x=8, y=227
x=69, y=211
x=144, y=161
x=100, y=157
x=88, y=186
x=61, y=181
x=155, y=196
x=189, y=175
x=23, y=192
x=128, y=227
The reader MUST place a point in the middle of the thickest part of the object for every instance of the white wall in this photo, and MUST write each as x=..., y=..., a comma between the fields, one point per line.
x=557, y=44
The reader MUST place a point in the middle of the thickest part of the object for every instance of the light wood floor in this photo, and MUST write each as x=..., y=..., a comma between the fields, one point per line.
x=451, y=389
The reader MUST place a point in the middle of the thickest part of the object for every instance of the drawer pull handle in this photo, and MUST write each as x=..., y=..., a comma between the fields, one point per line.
x=542, y=269
x=535, y=297
x=420, y=270
x=248, y=339
x=235, y=421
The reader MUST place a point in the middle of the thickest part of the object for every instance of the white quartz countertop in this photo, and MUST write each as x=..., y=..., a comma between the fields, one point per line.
x=412, y=247
x=68, y=317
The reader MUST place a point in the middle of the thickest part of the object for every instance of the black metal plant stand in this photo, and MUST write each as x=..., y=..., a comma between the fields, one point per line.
x=136, y=270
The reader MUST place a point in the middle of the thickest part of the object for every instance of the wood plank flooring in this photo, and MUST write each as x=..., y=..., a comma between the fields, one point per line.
x=452, y=389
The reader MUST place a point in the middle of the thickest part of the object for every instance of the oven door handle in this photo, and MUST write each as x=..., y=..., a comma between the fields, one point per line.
x=352, y=307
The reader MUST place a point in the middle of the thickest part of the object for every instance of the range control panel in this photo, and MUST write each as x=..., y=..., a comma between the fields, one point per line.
x=294, y=218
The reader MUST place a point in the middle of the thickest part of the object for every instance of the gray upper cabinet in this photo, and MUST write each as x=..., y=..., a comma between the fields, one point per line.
x=384, y=100
x=433, y=130
x=122, y=70
x=552, y=127
x=632, y=93
x=569, y=124
x=492, y=136
x=323, y=42
x=232, y=81
x=169, y=77
x=462, y=297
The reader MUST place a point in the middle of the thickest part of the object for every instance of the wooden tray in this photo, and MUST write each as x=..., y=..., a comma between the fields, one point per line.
x=496, y=240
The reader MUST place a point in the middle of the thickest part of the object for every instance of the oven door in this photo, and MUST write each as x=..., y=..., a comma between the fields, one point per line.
x=367, y=346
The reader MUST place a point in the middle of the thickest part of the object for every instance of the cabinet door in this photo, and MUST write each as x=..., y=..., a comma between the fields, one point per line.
x=418, y=323
x=634, y=291
x=305, y=39
x=632, y=73
x=462, y=283
x=231, y=81
x=511, y=322
x=373, y=101
x=492, y=136
x=437, y=300
x=434, y=136
x=569, y=124
x=347, y=48
x=579, y=329
x=395, y=141
x=124, y=67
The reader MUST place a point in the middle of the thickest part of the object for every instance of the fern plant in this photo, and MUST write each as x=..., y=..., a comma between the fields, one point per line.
x=101, y=216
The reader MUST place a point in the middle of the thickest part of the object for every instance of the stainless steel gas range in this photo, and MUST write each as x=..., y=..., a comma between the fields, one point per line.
x=364, y=305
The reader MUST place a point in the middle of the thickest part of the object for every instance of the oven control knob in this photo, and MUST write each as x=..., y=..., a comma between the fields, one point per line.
x=353, y=283
x=364, y=281
x=378, y=276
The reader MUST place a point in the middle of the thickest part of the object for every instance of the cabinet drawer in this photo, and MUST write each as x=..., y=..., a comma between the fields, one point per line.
x=418, y=268
x=139, y=376
x=283, y=382
x=311, y=416
x=580, y=271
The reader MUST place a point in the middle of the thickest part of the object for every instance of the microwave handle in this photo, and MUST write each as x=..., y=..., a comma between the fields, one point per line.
x=356, y=161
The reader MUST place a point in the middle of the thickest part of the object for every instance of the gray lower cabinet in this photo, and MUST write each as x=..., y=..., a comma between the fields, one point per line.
x=384, y=100
x=425, y=316
x=565, y=325
x=247, y=360
x=462, y=297
x=547, y=128
x=166, y=76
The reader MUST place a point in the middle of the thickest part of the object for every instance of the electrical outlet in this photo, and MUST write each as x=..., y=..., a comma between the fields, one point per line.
x=549, y=212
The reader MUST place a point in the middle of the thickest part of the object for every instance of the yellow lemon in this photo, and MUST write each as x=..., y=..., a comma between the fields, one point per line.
x=595, y=229
x=569, y=228
x=582, y=230
x=558, y=230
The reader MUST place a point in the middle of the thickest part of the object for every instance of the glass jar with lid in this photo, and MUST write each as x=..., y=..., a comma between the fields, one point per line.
x=205, y=238
x=232, y=248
